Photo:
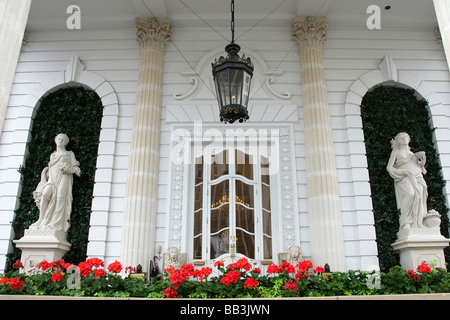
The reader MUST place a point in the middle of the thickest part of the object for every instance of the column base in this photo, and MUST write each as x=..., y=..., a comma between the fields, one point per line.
x=35, y=248
x=421, y=245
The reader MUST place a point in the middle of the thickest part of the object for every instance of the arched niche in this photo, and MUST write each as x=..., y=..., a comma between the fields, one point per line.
x=388, y=75
x=77, y=112
x=76, y=75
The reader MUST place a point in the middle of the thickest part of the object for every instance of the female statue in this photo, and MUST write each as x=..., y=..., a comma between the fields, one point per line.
x=407, y=169
x=53, y=195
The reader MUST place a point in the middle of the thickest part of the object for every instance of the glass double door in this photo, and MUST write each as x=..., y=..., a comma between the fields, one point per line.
x=232, y=220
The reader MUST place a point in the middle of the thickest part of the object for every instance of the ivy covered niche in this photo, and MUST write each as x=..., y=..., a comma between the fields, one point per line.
x=77, y=112
x=387, y=111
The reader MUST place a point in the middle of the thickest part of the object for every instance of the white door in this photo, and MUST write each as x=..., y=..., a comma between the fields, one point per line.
x=232, y=214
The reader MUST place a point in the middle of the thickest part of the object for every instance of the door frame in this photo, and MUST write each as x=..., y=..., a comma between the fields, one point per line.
x=187, y=142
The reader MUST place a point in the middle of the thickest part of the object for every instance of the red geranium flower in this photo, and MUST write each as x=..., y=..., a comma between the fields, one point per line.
x=16, y=283
x=17, y=265
x=44, y=265
x=170, y=293
x=58, y=263
x=273, y=268
x=319, y=269
x=99, y=273
x=218, y=264
x=230, y=277
x=115, y=267
x=424, y=268
x=56, y=277
x=291, y=286
x=4, y=280
x=204, y=273
x=95, y=262
x=84, y=269
x=130, y=269
x=187, y=270
x=250, y=283
x=304, y=265
x=243, y=263
x=286, y=267
x=414, y=276
x=257, y=270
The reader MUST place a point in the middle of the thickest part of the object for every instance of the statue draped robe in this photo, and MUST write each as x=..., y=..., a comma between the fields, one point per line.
x=59, y=177
x=410, y=190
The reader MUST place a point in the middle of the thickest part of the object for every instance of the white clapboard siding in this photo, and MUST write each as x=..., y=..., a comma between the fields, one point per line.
x=349, y=58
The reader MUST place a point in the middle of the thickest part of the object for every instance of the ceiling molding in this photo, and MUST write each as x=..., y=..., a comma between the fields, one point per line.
x=317, y=8
x=157, y=7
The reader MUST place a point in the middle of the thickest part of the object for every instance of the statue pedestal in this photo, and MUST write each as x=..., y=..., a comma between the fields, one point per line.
x=38, y=245
x=421, y=244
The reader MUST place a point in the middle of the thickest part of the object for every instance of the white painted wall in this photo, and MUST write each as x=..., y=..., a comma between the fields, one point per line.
x=352, y=62
x=112, y=60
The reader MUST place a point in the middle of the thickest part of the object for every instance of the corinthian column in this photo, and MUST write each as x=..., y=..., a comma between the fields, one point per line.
x=143, y=167
x=13, y=20
x=327, y=243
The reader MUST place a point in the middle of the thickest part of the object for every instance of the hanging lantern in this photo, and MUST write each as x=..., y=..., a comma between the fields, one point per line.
x=232, y=78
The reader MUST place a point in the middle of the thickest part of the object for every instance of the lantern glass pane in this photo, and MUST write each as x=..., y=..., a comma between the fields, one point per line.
x=246, y=88
x=223, y=87
x=236, y=85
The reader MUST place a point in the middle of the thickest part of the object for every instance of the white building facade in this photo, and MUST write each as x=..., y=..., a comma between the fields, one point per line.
x=169, y=173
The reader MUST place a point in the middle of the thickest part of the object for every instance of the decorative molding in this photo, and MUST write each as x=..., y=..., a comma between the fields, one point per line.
x=283, y=95
x=195, y=84
x=289, y=212
x=209, y=113
x=286, y=210
x=309, y=31
x=177, y=209
x=153, y=33
x=202, y=83
x=73, y=69
x=388, y=68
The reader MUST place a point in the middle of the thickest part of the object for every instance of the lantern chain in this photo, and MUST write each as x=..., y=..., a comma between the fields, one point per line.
x=232, y=21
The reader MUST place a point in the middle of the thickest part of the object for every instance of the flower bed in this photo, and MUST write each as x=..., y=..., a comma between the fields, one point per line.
x=236, y=280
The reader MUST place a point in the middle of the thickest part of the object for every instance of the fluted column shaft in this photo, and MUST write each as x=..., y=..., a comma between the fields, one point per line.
x=324, y=208
x=13, y=20
x=143, y=167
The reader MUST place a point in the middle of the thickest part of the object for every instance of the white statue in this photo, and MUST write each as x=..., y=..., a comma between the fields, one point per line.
x=407, y=170
x=294, y=255
x=53, y=195
x=172, y=258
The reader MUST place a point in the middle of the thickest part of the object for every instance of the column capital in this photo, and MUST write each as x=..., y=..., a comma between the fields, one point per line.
x=309, y=31
x=152, y=32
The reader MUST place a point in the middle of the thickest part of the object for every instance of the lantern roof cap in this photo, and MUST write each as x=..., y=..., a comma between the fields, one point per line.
x=232, y=49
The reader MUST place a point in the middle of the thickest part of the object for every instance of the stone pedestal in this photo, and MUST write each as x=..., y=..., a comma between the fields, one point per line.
x=39, y=245
x=421, y=244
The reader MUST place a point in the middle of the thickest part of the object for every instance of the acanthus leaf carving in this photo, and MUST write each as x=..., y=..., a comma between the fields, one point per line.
x=309, y=31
